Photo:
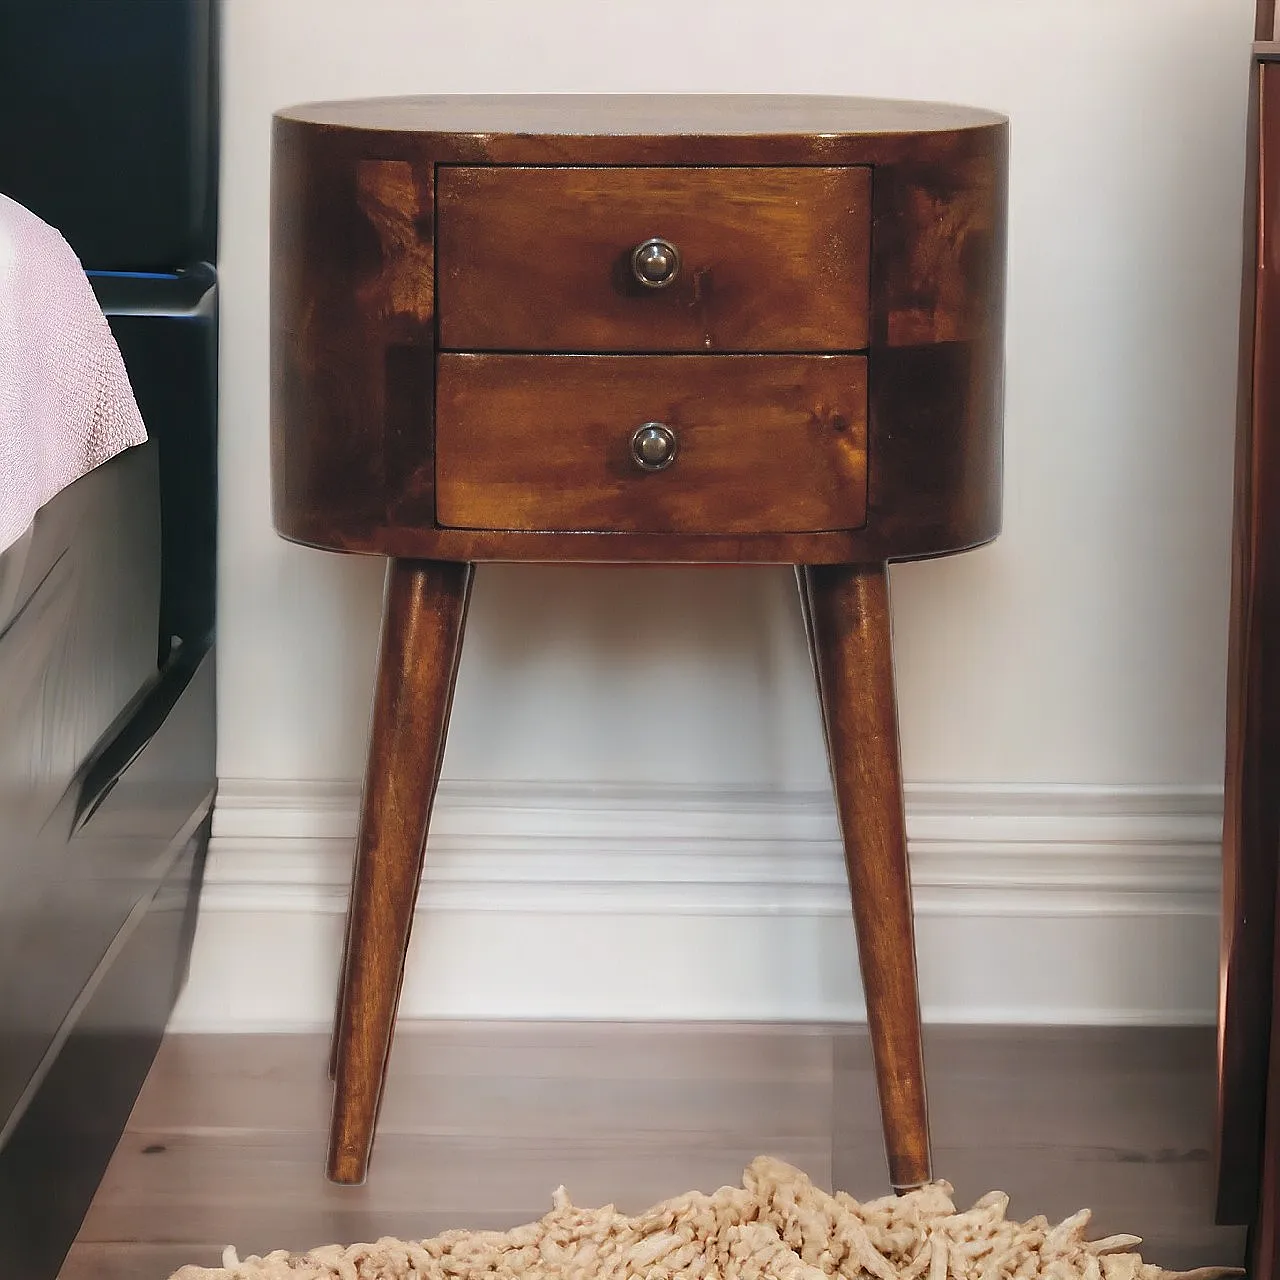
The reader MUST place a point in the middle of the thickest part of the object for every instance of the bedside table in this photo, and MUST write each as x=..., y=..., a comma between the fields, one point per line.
x=619, y=329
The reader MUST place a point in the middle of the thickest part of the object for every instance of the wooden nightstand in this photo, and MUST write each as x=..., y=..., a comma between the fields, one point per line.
x=702, y=329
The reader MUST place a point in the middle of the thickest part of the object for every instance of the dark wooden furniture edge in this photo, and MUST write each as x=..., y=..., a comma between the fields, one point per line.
x=1264, y=22
x=1251, y=811
x=54, y=1159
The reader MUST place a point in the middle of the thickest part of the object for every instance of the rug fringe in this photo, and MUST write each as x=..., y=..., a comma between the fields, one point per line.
x=776, y=1226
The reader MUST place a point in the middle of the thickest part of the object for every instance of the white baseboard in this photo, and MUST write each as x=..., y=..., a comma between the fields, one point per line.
x=1061, y=905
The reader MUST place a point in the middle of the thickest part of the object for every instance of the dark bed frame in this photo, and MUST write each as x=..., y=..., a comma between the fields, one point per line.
x=108, y=132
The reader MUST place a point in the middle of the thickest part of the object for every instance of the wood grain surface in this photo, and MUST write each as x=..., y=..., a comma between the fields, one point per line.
x=539, y=259
x=849, y=625
x=496, y=124
x=423, y=620
x=482, y=1122
x=765, y=443
x=354, y=314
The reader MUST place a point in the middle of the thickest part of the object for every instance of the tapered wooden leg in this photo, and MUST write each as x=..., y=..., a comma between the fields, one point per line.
x=850, y=627
x=422, y=623
x=335, y=1038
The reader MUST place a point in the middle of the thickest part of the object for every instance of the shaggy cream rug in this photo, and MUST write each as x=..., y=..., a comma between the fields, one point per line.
x=776, y=1226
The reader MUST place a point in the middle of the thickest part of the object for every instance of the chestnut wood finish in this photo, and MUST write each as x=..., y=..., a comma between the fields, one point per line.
x=539, y=259
x=766, y=444
x=462, y=354
x=1251, y=818
x=354, y=309
x=422, y=626
x=850, y=633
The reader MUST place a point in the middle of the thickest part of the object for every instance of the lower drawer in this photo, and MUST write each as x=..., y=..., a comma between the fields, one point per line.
x=753, y=444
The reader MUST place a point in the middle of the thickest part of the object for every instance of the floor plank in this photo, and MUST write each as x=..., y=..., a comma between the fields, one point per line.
x=1117, y=1119
x=482, y=1122
x=521, y=1078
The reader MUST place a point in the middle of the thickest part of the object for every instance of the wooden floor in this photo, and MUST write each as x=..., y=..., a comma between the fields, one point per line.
x=482, y=1122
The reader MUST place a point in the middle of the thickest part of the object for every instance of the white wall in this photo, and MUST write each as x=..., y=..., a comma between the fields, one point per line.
x=1085, y=647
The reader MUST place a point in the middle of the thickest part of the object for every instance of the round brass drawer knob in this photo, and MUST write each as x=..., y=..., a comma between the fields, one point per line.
x=653, y=447
x=655, y=263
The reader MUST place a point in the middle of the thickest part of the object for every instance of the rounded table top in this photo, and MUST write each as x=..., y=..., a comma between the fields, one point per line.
x=642, y=115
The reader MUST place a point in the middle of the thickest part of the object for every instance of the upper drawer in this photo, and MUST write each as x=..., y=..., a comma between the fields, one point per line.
x=541, y=259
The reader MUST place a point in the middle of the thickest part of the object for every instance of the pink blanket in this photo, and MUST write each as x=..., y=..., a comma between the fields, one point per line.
x=65, y=401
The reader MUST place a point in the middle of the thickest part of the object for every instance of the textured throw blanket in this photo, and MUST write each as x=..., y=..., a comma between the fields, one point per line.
x=776, y=1226
x=65, y=401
